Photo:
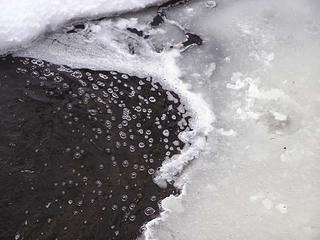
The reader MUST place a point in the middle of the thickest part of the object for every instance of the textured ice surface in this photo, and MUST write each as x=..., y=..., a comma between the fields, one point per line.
x=22, y=21
x=108, y=45
x=259, y=176
x=258, y=69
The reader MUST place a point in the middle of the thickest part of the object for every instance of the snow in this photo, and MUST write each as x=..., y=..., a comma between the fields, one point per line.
x=22, y=21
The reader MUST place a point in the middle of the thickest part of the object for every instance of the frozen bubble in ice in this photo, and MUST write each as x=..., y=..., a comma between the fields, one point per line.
x=124, y=198
x=132, y=218
x=125, y=163
x=211, y=4
x=165, y=133
x=149, y=211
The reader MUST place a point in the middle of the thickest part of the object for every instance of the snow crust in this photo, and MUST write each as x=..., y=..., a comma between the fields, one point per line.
x=22, y=21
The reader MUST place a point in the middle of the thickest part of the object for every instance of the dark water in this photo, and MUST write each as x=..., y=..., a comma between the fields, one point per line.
x=79, y=149
x=192, y=39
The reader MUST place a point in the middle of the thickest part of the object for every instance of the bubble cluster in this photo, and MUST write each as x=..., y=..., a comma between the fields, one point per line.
x=79, y=149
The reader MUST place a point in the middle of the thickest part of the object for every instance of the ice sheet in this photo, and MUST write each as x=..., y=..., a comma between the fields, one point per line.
x=259, y=176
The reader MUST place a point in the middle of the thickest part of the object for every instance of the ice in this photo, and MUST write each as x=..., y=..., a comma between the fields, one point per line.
x=104, y=46
x=22, y=21
x=259, y=175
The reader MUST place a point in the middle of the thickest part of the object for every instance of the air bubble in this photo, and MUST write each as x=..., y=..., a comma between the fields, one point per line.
x=93, y=112
x=211, y=4
x=141, y=145
x=133, y=175
x=58, y=79
x=35, y=74
x=152, y=99
x=124, y=198
x=76, y=74
x=132, y=218
x=149, y=211
x=125, y=163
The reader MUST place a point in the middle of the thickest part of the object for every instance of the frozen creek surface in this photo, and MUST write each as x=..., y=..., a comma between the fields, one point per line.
x=258, y=177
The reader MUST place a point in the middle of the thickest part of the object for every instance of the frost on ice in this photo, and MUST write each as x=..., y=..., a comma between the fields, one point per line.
x=259, y=175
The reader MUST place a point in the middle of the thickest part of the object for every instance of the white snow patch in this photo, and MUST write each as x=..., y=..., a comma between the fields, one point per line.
x=23, y=21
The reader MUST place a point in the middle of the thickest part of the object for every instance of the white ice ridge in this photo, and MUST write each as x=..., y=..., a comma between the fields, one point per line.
x=21, y=21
